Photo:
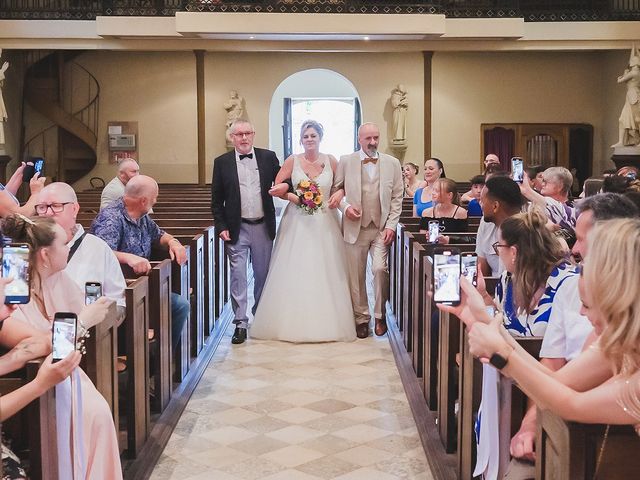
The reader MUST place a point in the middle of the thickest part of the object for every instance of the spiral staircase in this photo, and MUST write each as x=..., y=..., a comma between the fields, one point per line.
x=66, y=95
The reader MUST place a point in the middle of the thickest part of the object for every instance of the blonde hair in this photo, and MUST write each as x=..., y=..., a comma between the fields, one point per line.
x=611, y=276
x=538, y=253
x=449, y=186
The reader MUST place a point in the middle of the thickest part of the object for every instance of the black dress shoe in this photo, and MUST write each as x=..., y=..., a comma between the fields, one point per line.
x=362, y=330
x=239, y=335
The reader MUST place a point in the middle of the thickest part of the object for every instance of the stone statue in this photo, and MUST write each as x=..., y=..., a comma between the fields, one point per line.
x=235, y=110
x=629, y=122
x=3, y=109
x=400, y=105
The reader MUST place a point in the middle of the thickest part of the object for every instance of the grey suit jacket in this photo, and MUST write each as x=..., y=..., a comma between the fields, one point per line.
x=349, y=177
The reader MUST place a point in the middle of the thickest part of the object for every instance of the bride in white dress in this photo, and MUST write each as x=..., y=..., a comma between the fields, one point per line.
x=306, y=295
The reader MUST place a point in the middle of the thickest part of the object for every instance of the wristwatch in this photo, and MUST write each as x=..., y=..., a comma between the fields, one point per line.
x=498, y=361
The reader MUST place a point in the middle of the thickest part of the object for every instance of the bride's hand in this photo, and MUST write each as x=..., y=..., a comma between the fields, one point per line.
x=336, y=198
x=279, y=190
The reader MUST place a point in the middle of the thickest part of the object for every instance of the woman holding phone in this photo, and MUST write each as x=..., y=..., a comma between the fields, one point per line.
x=602, y=385
x=86, y=425
x=446, y=209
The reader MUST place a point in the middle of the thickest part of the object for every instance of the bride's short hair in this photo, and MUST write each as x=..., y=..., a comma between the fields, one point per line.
x=317, y=126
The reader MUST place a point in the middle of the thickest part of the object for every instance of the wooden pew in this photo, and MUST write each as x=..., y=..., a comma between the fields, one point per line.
x=160, y=322
x=136, y=326
x=100, y=361
x=569, y=450
x=181, y=284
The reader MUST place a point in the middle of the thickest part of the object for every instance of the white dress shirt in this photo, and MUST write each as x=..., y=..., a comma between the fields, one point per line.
x=370, y=168
x=250, y=194
x=113, y=191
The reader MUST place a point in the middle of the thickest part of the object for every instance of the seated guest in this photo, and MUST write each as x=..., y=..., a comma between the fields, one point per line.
x=554, y=198
x=411, y=181
x=602, y=385
x=114, y=190
x=491, y=162
x=82, y=413
x=566, y=334
x=472, y=197
x=500, y=199
x=90, y=258
x=446, y=209
x=9, y=203
x=620, y=184
x=535, y=174
x=25, y=344
x=433, y=170
x=129, y=231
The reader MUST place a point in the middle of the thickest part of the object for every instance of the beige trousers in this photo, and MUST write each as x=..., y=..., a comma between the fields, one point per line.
x=369, y=242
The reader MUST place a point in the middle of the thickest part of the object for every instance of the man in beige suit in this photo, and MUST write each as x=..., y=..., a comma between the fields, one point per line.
x=372, y=183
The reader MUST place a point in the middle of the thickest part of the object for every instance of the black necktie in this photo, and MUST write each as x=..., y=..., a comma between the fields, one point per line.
x=247, y=155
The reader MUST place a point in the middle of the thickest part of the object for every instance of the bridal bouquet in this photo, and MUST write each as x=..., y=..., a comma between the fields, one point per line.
x=310, y=196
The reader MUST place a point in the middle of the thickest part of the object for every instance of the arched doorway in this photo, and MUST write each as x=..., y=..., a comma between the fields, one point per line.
x=321, y=94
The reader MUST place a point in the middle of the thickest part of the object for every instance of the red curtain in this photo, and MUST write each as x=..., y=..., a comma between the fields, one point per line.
x=501, y=142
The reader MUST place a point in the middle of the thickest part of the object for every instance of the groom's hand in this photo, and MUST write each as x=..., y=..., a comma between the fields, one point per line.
x=353, y=213
x=225, y=236
x=387, y=236
x=279, y=190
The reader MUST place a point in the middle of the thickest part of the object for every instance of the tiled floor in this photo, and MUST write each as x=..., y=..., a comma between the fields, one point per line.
x=279, y=411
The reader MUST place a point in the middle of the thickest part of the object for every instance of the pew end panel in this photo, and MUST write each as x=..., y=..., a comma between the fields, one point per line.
x=160, y=322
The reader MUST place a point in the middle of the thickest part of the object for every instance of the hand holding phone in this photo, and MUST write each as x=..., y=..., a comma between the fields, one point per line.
x=446, y=276
x=434, y=231
x=15, y=264
x=517, y=169
x=63, y=340
x=92, y=292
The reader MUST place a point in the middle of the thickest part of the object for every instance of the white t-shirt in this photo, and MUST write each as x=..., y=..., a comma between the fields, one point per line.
x=94, y=261
x=113, y=191
x=487, y=236
x=567, y=330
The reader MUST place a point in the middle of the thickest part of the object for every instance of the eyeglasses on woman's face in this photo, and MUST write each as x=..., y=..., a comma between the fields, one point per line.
x=497, y=245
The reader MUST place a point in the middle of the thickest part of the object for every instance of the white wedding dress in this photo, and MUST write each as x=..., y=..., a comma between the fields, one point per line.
x=306, y=295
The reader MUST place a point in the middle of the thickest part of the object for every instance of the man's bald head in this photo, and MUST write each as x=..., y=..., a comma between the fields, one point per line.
x=492, y=158
x=141, y=186
x=57, y=192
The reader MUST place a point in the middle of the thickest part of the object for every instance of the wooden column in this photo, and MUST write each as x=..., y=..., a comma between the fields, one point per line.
x=427, y=56
x=202, y=174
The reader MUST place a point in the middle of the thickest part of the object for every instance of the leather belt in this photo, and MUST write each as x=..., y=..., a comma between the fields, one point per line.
x=253, y=221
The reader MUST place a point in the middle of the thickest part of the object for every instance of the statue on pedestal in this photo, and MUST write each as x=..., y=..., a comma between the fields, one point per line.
x=629, y=122
x=235, y=111
x=400, y=105
x=3, y=109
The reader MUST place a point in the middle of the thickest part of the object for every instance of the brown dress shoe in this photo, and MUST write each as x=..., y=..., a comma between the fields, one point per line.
x=381, y=326
x=362, y=330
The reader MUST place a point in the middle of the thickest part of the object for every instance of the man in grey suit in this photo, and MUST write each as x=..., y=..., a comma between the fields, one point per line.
x=372, y=183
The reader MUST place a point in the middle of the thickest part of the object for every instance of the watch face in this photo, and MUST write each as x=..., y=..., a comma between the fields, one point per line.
x=498, y=361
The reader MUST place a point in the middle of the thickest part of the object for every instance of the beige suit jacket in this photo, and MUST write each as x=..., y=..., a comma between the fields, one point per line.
x=349, y=177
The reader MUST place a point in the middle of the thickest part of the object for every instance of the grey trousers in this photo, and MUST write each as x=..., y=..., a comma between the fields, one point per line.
x=254, y=240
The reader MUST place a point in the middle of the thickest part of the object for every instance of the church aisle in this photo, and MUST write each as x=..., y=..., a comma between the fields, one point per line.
x=278, y=411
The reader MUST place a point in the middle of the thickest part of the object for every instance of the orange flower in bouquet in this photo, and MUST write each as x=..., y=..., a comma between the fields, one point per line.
x=310, y=196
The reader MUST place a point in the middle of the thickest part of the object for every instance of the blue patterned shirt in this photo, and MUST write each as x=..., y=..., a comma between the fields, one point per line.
x=535, y=323
x=123, y=234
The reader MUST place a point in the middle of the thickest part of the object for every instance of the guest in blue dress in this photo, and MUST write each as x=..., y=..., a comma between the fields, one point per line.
x=433, y=170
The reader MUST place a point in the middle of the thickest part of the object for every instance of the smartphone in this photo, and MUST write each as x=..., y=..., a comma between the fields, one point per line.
x=63, y=339
x=517, y=169
x=434, y=231
x=92, y=292
x=38, y=165
x=30, y=170
x=470, y=267
x=446, y=276
x=15, y=263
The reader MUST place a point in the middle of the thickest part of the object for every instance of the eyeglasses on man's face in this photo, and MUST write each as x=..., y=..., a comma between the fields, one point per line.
x=243, y=134
x=42, y=208
x=496, y=245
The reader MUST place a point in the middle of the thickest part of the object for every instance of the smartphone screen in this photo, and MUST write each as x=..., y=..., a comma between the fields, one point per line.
x=434, y=231
x=64, y=335
x=92, y=292
x=470, y=267
x=446, y=276
x=15, y=263
x=517, y=169
x=38, y=165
